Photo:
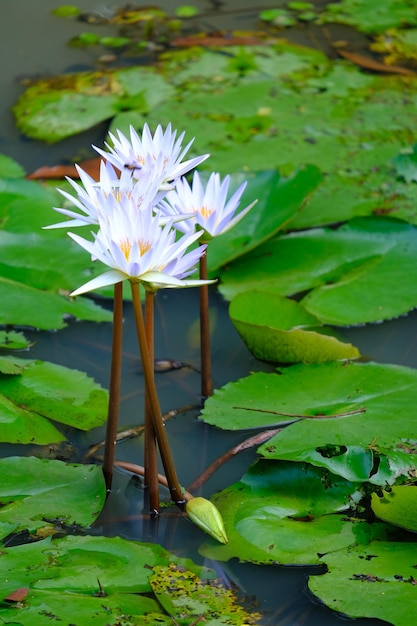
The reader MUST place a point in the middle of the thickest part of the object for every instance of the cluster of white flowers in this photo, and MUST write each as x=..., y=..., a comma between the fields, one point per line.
x=141, y=202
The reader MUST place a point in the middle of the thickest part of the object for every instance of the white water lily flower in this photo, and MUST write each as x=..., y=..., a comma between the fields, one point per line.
x=93, y=195
x=162, y=153
x=134, y=245
x=209, y=205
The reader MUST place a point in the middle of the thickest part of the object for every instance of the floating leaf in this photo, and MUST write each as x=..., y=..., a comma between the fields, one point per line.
x=359, y=414
x=398, y=506
x=12, y=340
x=376, y=581
x=9, y=168
x=352, y=272
x=90, y=577
x=55, y=109
x=280, y=513
x=406, y=164
x=282, y=331
x=370, y=16
x=65, y=395
x=35, y=492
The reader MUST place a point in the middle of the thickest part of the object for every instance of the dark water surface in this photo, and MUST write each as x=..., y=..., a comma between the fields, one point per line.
x=33, y=44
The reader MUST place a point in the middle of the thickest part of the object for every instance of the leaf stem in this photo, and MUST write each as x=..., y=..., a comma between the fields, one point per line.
x=114, y=390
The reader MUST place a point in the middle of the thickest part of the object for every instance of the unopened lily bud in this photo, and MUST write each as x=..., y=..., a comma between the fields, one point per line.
x=205, y=515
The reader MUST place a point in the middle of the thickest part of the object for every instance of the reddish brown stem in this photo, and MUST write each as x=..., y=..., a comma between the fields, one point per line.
x=151, y=459
x=147, y=364
x=256, y=440
x=114, y=391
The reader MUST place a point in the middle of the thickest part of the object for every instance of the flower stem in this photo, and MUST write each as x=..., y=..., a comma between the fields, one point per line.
x=151, y=460
x=114, y=391
x=206, y=382
x=170, y=473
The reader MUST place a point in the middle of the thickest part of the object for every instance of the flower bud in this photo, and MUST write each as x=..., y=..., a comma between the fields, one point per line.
x=203, y=513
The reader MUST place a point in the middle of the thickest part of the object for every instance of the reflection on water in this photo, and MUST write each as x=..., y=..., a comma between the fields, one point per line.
x=36, y=46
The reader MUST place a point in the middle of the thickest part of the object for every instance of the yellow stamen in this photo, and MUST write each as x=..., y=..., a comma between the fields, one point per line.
x=206, y=212
x=125, y=246
x=144, y=246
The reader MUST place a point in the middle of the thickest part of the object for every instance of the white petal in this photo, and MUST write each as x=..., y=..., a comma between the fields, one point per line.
x=108, y=278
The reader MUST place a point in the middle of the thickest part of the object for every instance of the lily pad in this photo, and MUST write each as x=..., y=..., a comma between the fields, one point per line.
x=347, y=416
x=92, y=578
x=13, y=340
x=281, y=513
x=371, y=16
x=34, y=392
x=280, y=330
x=35, y=492
x=351, y=273
x=398, y=506
x=53, y=109
x=37, y=267
x=65, y=395
x=376, y=581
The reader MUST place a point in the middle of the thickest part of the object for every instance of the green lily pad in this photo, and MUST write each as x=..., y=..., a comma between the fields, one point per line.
x=376, y=581
x=92, y=578
x=406, y=164
x=12, y=340
x=55, y=392
x=9, y=168
x=351, y=272
x=398, y=506
x=37, y=267
x=35, y=492
x=352, y=418
x=371, y=16
x=280, y=330
x=53, y=109
x=280, y=513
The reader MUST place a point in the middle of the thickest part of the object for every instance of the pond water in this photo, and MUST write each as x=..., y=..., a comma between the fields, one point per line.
x=34, y=44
